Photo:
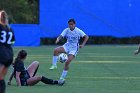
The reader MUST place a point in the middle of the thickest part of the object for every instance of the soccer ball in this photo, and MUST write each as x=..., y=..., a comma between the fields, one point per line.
x=63, y=57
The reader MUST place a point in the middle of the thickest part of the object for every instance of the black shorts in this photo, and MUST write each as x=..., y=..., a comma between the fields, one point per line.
x=6, y=55
x=23, y=80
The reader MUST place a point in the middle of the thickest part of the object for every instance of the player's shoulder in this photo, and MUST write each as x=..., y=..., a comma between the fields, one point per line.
x=18, y=62
x=1, y=27
x=77, y=29
x=66, y=29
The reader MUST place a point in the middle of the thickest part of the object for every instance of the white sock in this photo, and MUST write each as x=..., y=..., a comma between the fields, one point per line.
x=64, y=73
x=54, y=60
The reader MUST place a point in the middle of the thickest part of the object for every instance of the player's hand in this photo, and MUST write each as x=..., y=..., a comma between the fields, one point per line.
x=81, y=46
x=9, y=83
x=136, y=52
x=56, y=41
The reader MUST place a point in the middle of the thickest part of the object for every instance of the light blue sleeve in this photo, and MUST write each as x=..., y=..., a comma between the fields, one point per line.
x=82, y=34
x=64, y=32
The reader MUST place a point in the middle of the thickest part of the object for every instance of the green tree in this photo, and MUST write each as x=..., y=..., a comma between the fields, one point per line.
x=21, y=11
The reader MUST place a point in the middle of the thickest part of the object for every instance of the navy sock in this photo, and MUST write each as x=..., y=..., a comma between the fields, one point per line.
x=2, y=86
x=48, y=81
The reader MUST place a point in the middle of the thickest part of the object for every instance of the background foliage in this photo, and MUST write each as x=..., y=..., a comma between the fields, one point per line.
x=21, y=11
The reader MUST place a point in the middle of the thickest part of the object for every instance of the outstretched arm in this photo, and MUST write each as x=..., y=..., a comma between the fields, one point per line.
x=84, y=42
x=18, y=79
x=137, y=51
x=58, y=39
x=11, y=77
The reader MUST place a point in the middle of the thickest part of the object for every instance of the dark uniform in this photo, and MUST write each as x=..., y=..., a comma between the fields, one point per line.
x=6, y=40
x=24, y=75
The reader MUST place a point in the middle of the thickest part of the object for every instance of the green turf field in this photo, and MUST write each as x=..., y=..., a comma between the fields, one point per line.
x=97, y=69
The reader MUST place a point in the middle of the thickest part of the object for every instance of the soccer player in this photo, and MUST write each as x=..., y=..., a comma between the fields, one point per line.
x=6, y=52
x=71, y=47
x=137, y=51
x=27, y=77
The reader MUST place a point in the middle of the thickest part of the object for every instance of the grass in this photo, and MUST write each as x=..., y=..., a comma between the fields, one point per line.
x=96, y=69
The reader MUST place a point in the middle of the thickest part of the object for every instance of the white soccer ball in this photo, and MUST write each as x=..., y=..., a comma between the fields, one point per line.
x=63, y=57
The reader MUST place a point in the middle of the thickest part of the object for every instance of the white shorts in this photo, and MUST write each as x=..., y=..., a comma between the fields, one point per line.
x=69, y=49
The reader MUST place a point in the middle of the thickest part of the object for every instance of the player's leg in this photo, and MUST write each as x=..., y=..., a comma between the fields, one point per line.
x=66, y=67
x=32, y=68
x=34, y=80
x=72, y=54
x=6, y=59
x=3, y=71
x=57, y=51
x=2, y=67
x=2, y=86
x=137, y=51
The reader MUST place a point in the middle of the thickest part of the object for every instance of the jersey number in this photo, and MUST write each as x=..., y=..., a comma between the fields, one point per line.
x=3, y=37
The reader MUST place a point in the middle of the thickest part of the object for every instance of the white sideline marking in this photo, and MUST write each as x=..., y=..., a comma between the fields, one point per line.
x=107, y=61
x=111, y=56
x=93, y=62
x=43, y=56
x=109, y=78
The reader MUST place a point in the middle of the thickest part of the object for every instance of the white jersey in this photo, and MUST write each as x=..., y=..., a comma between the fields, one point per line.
x=73, y=36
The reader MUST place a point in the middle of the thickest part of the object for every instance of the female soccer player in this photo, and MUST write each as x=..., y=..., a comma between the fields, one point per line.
x=6, y=51
x=71, y=47
x=27, y=77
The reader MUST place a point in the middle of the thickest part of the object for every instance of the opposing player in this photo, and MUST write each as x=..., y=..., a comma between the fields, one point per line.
x=27, y=77
x=137, y=51
x=71, y=47
x=6, y=52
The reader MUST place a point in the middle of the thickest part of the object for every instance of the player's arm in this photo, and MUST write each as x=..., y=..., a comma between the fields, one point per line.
x=137, y=51
x=85, y=40
x=17, y=78
x=58, y=39
x=61, y=36
x=13, y=37
x=11, y=77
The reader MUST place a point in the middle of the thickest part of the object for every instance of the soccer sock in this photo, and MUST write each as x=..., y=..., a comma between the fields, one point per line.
x=54, y=60
x=2, y=86
x=48, y=81
x=64, y=73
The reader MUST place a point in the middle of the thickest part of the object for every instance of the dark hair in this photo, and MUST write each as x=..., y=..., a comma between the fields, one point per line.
x=72, y=20
x=21, y=55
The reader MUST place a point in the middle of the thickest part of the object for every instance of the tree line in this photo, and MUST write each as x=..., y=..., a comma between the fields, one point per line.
x=21, y=11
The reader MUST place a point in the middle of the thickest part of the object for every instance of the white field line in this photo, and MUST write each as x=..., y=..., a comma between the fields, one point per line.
x=92, y=62
x=46, y=56
x=109, y=78
x=108, y=61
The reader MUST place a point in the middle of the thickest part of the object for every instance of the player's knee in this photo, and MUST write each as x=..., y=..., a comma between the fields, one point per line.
x=69, y=60
x=36, y=63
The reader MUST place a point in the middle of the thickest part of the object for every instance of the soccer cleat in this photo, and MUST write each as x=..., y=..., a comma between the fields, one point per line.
x=53, y=67
x=63, y=79
x=61, y=82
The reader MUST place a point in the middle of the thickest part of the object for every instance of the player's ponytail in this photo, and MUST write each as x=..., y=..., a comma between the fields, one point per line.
x=3, y=18
x=21, y=55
